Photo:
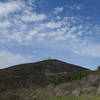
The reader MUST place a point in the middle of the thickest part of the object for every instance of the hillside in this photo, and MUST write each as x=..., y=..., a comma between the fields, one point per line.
x=49, y=80
x=35, y=73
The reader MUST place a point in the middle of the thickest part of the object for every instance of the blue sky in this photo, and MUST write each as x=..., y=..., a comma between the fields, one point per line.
x=34, y=30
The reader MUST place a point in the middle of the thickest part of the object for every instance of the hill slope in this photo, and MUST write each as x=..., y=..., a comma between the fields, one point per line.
x=49, y=80
x=35, y=73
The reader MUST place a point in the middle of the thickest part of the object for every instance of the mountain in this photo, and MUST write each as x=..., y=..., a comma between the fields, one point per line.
x=36, y=73
x=50, y=79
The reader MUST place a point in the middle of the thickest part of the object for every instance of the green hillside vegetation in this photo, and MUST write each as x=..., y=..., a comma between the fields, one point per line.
x=49, y=80
x=34, y=73
x=74, y=76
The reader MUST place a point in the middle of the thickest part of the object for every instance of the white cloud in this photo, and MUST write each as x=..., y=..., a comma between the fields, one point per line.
x=58, y=10
x=8, y=59
x=31, y=34
x=80, y=26
x=58, y=17
x=60, y=38
x=87, y=49
x=31, y=3
x=73, y=29
x=34, y=17
x=16, y=28
x=79, y=33
x=9, y=7
x=52, y=24
x=75, y=7
x=4, y=24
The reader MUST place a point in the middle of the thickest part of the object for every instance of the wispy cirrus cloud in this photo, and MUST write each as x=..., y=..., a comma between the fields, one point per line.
x=52, y=24
x=33, y=17
x=4, y=24
x=76, y=7
x=86, y=48
x=28, y=27
x=9, y=7
x=58, y=10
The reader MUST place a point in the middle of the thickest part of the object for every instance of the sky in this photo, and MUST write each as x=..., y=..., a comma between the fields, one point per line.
x=35, y=30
